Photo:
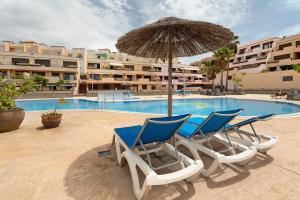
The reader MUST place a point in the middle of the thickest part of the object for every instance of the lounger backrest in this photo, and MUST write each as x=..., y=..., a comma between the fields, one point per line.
x=160, y=129
x=250, y=121
x=216, y=121
x=265, y=117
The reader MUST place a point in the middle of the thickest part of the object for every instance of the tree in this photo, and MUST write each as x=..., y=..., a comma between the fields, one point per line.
x=59, y=84
x=211, y=70
x=40, y=81
x=297, y=67
x=234, y=44
x=238, y=82
x=222, y=57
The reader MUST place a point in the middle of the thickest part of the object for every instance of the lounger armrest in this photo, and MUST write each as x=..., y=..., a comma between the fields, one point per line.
x=182, y=174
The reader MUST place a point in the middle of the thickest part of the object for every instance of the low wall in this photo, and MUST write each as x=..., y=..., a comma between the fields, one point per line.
x=46, y=94
x=270, y=81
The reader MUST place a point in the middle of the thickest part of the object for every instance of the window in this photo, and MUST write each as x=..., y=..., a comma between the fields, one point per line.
x=251, y=56
x=146, y=68
x=282, y=57
x=281, y=47
x=144, y=87
x=287, y=78
x=70, y=64
x=55, y=74
x=267, y=45
x=242, y=51
x=255, y=47
x=95, y=76
x=41, y=62
x=20, y=61
x=94, y=65
x=79, y=55
x=69, y=76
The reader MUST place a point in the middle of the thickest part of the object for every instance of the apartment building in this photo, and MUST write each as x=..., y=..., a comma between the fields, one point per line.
x=31, y=58
x=265, y=64
x=122, y=71
x=253, y=56
x=85, y=70
x=285, y=54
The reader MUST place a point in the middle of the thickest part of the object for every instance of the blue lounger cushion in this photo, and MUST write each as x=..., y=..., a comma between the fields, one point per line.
x=214, y=123
x=187, y=130
x=196, y=120
x=129, y=134
x=155, y=130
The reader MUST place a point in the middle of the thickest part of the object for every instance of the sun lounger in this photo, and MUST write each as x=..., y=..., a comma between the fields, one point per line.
x=279, y=95
x=152, y=137
x=261, y=142
x=197, y=132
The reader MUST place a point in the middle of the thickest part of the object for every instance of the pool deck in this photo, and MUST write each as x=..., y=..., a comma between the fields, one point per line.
x=62, y=163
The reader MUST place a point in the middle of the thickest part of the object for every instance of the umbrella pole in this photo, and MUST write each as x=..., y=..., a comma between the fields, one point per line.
x=170, y=58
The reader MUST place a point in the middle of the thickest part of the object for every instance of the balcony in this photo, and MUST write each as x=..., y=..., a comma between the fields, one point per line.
x=108, y=79
x=261, y=57
x=68, y=64
x=93, y=66
x=143, y=80
x=243, y=61
x=53, y=79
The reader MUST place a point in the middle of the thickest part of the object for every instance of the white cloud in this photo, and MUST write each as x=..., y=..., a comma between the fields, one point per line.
x=292, y=30
x=227, y=12
x=76, y=23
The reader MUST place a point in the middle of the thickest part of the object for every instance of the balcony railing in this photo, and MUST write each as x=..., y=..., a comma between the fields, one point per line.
x=261, y=57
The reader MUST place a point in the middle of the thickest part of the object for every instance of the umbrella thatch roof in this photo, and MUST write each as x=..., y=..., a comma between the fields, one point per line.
x=189, y=38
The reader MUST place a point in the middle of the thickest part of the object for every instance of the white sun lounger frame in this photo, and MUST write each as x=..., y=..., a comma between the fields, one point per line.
x=133, y=156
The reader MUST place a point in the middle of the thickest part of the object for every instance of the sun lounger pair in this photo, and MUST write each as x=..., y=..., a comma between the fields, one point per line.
x=167, y=133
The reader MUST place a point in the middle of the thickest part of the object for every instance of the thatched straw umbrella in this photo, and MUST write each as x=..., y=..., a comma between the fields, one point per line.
x=173, y=37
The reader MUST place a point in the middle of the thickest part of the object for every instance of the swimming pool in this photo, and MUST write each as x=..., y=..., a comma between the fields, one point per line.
x=195, y=106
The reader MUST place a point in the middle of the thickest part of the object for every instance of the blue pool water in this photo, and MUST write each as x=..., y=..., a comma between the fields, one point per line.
x=180, y=106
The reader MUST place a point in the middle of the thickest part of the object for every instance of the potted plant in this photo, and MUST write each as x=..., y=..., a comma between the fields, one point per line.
x=11, y=117
x=53, y=119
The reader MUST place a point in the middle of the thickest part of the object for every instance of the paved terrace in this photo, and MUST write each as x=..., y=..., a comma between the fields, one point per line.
x=62, y=163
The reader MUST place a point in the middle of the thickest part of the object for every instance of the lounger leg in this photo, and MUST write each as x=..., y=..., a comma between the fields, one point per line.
x=138, y=191
x=195, y=156
x=118, y=150
x=213, y=167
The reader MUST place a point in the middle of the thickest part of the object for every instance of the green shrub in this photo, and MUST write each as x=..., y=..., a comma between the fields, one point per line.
x=11, y=89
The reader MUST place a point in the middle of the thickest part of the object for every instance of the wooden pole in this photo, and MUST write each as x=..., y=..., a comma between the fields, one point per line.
x=170, y=58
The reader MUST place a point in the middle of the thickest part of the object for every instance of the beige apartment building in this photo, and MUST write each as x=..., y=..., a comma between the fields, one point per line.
x=266, y=64
x=31, y=58
x=279, y=72
x=252, y=57
x=92, y=70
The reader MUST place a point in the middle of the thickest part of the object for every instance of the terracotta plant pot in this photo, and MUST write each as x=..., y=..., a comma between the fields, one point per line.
x=51, y=121
x=11, y=120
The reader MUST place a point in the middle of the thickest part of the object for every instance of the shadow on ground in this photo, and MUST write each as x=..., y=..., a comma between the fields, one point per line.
x=90, y=177
x=242, y=172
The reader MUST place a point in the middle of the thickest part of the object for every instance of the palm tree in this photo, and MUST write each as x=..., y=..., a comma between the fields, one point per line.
x=211, y=70
x=222, y=57
x=40, y=81
x=234, y=44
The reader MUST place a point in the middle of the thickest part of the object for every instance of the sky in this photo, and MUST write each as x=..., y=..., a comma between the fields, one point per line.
x=95, y=24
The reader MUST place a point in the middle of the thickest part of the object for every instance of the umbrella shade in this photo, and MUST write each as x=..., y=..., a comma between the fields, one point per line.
x=173, y=37
x=189, y=38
